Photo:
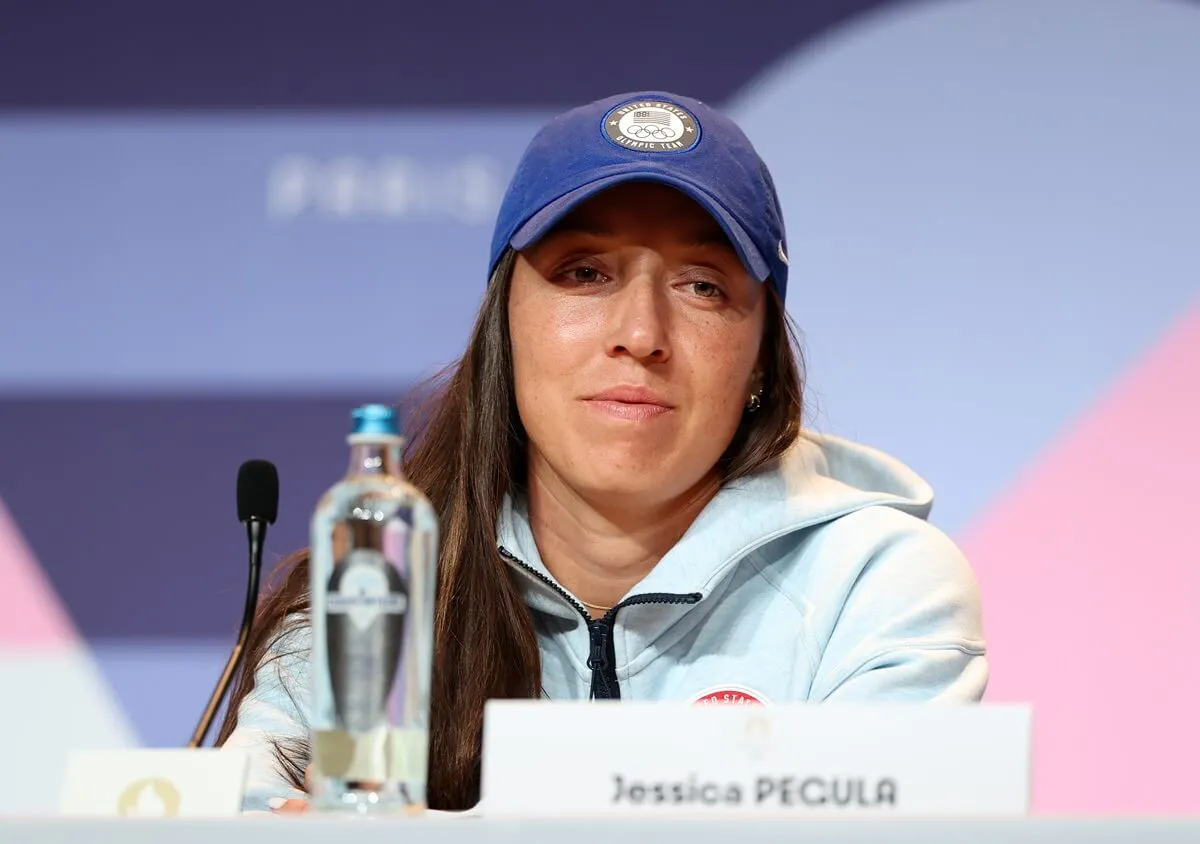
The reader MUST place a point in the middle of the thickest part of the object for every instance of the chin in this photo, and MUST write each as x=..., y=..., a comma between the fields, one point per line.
x=620, y=483
x=628, y=473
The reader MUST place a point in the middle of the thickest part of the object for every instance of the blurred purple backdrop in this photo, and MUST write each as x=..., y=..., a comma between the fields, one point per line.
x=221, y=227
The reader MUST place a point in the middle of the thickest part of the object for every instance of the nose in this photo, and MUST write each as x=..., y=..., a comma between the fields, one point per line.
x=637, y=318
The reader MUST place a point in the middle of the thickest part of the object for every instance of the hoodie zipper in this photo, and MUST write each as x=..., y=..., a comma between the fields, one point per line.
x=602, y=660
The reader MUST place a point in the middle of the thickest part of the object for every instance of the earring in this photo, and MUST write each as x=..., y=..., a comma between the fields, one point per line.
x=755, y=401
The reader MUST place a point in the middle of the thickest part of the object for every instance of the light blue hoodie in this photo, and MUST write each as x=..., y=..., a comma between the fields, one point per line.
x=819, y=580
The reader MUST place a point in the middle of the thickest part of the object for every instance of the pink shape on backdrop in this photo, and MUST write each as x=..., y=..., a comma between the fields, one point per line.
x=30, y=611
x=1091, y=586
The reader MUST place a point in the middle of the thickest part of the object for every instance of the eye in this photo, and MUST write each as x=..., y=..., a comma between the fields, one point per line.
x=581, y=274
x=706, y=289
x=585, y=275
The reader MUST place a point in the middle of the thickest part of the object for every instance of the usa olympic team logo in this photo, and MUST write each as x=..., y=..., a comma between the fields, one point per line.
x=729, y=696
x=652, y=126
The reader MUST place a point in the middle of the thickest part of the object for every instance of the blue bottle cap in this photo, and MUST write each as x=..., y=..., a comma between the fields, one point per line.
x=376, y=420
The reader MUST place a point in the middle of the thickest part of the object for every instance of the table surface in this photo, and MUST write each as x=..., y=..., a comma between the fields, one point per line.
x=442, y=830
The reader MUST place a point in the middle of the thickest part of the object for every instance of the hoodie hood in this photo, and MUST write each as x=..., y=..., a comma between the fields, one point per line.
x=819, y=479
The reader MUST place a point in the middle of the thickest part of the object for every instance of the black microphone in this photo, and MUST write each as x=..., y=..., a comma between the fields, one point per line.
x=258, y=506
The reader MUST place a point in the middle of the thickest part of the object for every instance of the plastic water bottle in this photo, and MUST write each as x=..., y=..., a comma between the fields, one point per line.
x=373, y=574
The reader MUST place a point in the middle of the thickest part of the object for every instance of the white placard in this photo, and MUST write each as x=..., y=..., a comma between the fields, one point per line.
x=614, y=758
x=155, y=783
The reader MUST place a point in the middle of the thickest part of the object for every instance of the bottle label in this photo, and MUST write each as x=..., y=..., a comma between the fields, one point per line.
x=373, y=758
x=365, y=610
x=367, y=588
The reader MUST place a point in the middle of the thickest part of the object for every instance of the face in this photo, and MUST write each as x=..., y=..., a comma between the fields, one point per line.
x=636, y=336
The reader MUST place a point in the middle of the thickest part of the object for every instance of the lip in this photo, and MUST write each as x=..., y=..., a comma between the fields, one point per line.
x=630, y=402
x=631, y=395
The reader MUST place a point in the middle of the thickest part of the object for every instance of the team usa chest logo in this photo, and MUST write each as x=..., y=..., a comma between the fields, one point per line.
x=729, y=696
x=652, y=126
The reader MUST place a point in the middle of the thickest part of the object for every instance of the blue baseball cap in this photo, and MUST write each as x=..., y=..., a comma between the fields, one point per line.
x=648, y=136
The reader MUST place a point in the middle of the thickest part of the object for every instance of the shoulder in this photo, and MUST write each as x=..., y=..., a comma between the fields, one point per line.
x=279, y=698
x=854, y=507
x=274, y=713
x=287, y=656
x=887, y=540
x=882, y=571
x=891, y=608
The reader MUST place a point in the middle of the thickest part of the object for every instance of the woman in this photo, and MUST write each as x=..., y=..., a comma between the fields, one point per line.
x=629, y=507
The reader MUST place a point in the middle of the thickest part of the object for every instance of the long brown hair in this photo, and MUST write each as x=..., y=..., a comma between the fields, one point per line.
x=466, y=451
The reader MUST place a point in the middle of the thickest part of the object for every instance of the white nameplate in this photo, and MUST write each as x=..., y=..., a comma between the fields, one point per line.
x=155, y=783
x=601, y=758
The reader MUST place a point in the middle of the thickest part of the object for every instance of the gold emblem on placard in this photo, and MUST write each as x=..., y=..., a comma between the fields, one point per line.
x=153, y=797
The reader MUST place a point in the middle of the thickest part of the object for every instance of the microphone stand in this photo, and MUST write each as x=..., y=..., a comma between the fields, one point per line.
x=256, y=531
